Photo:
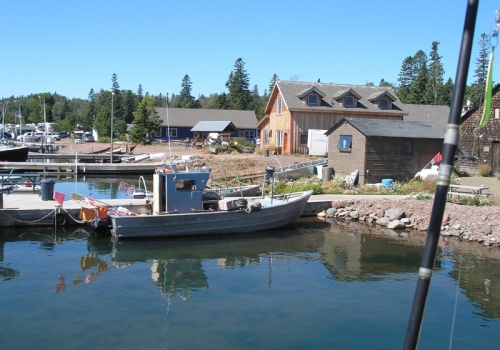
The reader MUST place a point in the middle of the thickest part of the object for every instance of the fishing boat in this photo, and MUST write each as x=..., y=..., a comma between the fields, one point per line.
x=179, y=208
x=13, y=154
x=296, y=171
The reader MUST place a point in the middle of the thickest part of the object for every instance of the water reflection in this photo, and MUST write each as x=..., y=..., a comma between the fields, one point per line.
x=350, y=252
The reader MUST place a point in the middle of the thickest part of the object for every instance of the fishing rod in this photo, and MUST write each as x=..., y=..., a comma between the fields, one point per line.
x=443, y=180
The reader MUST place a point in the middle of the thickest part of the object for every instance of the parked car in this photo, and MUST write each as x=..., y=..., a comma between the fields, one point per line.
x=28, y=137
x=54, y=136
x=63, y=134
x=88, y=137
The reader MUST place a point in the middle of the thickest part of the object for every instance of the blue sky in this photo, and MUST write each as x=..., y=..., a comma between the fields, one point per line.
x=70, y=47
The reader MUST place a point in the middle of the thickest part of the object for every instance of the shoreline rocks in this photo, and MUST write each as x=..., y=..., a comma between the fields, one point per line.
x=470, y=223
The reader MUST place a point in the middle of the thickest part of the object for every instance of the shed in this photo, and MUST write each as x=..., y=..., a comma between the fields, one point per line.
x=224, y=128
x=382, y=149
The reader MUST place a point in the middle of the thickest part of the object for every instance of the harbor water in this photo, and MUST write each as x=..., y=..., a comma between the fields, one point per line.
x=315, y=285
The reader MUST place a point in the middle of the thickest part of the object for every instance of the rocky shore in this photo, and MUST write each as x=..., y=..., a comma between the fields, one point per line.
x=469, y=223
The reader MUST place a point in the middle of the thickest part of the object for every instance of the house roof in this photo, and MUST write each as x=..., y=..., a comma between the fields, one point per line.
x=291, y=90
x=214, y=126
x=436, y=115
x=391, y=128
x=186, y=117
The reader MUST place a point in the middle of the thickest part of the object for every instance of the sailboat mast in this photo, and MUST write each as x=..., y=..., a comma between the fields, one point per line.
x=443, y=181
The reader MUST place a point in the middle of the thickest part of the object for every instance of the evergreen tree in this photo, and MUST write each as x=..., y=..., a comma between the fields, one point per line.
x=476, y=90
x=273, y=81
x=239, y=95
x=436, y=73
x=146, y=121
x=119, y=110
x=185, y=99
x=130, y=106
x=139, y=94
x=405, y=80
x=421, y=78
x=384, y=83
x=445, y=93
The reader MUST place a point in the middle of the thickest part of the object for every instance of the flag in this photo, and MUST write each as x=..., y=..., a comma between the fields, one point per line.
x=18, y=116
x=89, y=200
x=59, y=197
x=437, y=158
x=76, y=196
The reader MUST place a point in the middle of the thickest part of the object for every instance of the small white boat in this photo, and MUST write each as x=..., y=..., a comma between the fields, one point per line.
x=180, y=208
x=296, y=171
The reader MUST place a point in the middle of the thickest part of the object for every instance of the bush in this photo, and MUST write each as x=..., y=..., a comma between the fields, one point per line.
x=484, y=170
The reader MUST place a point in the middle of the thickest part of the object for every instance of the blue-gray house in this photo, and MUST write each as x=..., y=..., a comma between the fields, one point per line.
x=182, y=120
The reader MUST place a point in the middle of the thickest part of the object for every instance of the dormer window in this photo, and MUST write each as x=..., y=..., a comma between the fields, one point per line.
x=312, y=100
x=349, y=101
x=384, y=103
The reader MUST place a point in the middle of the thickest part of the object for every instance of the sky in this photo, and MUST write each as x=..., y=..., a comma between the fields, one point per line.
x=71, y=47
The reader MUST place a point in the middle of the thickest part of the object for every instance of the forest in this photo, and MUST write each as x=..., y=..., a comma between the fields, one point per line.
x=420, y=81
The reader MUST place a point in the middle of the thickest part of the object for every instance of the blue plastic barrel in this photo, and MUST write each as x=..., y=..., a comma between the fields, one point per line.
x=387, y=182
x=47, y=188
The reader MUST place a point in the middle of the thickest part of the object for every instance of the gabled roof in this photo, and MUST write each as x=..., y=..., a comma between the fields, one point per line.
x=214, y=126
x=306, y=92
x=341, y=94
x=377, y=95
x=291, y=89
x=436, y=115
x=186, y=117
x=391, y=128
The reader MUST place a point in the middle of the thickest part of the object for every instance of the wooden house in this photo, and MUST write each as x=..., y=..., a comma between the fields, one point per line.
x=481, y=146
x=296, y=107
x=180, y=121
x=382, y=148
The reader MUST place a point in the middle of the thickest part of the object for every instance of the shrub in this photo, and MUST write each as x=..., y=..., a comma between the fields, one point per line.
x=484, y=170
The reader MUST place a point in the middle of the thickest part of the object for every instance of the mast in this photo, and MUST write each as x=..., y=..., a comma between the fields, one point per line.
x=443, y=180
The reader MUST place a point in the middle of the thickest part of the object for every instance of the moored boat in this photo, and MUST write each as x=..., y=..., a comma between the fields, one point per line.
x=13, y=154
x=181, y=209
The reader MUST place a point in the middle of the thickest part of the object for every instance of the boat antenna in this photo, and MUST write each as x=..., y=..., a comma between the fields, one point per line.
x=443, y=180
x=168, y=134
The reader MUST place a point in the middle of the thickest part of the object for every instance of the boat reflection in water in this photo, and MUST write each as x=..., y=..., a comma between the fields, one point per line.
x=313, y=285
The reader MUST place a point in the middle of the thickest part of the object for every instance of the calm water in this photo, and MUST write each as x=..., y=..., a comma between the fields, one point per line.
x=313, y=286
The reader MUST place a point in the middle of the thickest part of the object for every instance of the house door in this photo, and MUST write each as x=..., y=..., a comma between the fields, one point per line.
x=285, y=142
x=495, y=161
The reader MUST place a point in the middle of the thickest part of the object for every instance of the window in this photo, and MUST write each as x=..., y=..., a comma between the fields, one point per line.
x=249, y=134
x=497, y=113
x=349, y=101
x=267, y=135
x=280, y=106
x=384, y=103
x=408, y=148
x=172, y=132
x=303, y=139
x=345, y=143
x=279, y=138
x=185, y=185
x=312, y=99
x=158, y=133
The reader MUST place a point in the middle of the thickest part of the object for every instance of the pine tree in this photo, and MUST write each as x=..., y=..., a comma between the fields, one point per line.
x=185, y=99
x=405, y=80
x=421, y=78
x=239, y=95
x=273, y=81
x=146, y=121
x=477, y=87
x=436, y=73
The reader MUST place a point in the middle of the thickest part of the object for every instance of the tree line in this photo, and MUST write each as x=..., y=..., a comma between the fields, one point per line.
x=420, y=82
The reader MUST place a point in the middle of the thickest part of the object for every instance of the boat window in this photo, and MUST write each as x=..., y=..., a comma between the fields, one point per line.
x=185, y=185
x=345, y=142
